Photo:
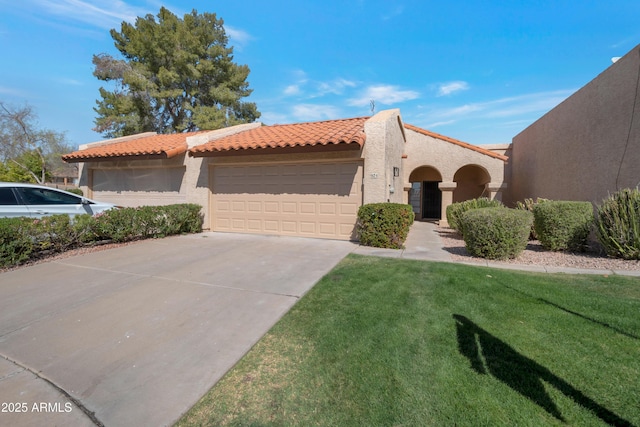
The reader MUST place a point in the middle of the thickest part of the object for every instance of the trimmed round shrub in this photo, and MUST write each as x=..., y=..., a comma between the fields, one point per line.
x=384, y=225
x=496, y=233
x=456, y=210
x=563, y=225
x=618, y=224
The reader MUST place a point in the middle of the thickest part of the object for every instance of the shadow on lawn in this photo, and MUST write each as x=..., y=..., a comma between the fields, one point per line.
x=489, y=355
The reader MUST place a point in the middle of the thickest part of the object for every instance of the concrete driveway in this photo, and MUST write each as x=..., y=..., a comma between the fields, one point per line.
x=136, y=335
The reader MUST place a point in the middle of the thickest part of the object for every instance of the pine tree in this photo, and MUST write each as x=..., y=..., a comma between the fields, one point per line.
x=177, y=75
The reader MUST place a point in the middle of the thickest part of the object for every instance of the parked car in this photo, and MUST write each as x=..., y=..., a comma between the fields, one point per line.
x=37, y=201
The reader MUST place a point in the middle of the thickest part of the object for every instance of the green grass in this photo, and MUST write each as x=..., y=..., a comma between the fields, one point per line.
x=384, y=342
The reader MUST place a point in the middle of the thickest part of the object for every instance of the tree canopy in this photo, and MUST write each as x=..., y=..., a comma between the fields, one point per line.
x=28, y=153
x=176, y=75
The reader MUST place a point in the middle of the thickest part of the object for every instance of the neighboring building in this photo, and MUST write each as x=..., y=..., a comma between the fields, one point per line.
x=588, y=146
x=305, y=179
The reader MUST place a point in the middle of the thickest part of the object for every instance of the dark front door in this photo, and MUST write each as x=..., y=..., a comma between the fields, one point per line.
x=431, y=200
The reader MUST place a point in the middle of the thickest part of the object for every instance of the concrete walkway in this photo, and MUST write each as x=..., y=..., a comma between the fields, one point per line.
x=424, y=243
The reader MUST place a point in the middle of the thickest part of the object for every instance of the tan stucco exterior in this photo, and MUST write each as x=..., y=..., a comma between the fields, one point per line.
x=588, y=146
x=382, y=153
x=390, y=160
x=461, y=172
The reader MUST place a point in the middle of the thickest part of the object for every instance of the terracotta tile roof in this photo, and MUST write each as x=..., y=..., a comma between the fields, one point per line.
x=330, y=132
x=160, y=146
x=456, y=142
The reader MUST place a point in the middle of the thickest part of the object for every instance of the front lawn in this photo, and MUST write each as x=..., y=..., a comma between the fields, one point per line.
x=387, y=342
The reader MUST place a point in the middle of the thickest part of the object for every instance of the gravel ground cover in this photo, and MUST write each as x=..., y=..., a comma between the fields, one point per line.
x=534, y=254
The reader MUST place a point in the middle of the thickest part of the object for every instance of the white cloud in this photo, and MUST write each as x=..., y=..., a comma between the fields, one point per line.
x=336, y=86
x=313, y=112
x=436, y=124
x=69, y=82
x=270, y=118
x=451, y=87
x=238, y=37
x=316, y=89
x=104, y=14
x=540, y=102
x=383, y=94
x=292, y=90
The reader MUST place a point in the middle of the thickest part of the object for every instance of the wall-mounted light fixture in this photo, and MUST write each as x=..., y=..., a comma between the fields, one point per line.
x=396, y=171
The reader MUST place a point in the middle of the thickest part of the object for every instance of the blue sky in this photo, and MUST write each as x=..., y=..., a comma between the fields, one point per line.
x=478, y=71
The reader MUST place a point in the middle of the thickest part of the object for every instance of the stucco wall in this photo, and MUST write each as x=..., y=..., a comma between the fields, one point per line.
x=447, y=158
x=586, y=147
x=382, y=152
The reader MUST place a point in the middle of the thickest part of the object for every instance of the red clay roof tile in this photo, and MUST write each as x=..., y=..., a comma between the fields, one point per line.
x=345, y=131
x=163, y=145
x=456, y=142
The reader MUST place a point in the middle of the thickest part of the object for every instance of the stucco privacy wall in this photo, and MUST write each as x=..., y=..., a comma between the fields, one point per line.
x=382, y=153
x=588, y=146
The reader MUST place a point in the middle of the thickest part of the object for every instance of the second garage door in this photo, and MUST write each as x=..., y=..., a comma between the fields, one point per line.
x=308, y=199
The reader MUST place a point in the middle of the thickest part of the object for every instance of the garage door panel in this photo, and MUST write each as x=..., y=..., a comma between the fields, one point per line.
x=316, y=200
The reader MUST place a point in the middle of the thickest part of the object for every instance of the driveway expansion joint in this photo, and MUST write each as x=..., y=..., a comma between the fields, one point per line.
x=90, y=414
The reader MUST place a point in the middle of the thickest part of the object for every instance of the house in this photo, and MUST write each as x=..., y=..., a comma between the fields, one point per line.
x=588, y=146
x=303, y=179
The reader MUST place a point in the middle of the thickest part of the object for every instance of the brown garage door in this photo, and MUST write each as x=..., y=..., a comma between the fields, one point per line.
x=309, y=199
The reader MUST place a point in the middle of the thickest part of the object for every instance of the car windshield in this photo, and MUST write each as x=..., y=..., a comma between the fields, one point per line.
x=41, y=196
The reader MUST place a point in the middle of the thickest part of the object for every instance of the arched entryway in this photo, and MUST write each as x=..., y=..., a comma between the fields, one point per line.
x=424, y=195
x=471, y=183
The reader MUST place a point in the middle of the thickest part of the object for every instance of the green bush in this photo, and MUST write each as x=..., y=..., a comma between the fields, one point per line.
x=22, y=239
x=618, y=224
x=496, y=233
x=125, y=224
x=456, y=210
x=563, y=225
x=384, y=225
x=528, y=205
x=75, y=191
x=16, y=243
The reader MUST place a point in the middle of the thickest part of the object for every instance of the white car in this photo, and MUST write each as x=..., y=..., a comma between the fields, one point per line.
x=37, y=201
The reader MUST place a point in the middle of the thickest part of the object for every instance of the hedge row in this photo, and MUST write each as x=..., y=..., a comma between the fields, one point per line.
x=559, y=225
x=384, y=225
x=22, y=239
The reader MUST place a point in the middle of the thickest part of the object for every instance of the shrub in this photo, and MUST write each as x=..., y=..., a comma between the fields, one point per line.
x=563, y=225
x=618, y=224
x=456, y=210
x=16, y=244
x=528, y=205
x=77, y=191
x=496, y=233
x=384, y=225
x=125, y=224
x=22, y=239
